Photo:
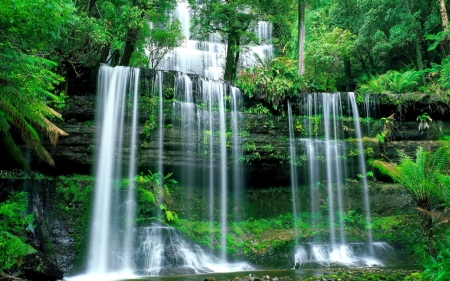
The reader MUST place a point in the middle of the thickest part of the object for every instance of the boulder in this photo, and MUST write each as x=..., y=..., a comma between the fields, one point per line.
x=38, y=267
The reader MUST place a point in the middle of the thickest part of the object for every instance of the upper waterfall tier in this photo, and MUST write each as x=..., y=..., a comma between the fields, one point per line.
x=207, y=58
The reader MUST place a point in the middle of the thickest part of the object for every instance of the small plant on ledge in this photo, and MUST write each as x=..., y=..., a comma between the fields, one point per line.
x=423, y=118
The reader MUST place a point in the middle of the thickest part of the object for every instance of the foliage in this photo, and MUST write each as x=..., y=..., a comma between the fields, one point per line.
x=159, y=37
x=325, y=52
x=401, y=229
x=153, y=195
x=273, y=84
x=392, y=82
x=76, y=193
x=438, y=268
x=388, y=124
x=26, y=77
x=13, y=222
x=421, y=178
x=423, y=118
x=109, y=31
x=259, y=109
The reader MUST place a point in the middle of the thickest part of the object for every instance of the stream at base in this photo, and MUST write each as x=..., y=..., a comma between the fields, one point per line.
x=293, y=274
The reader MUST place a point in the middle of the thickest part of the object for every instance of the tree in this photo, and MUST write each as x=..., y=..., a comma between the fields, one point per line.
x=26, y=77
x=390, y=34
x=422, y=179
x=301, y=36
x=157, y=40
x=326, y=53
x=444, y=15
x=108, y=31
x=234, y=20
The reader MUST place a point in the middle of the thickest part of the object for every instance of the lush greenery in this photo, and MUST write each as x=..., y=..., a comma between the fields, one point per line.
x=154, y=197
x=426, y=179
x=27, y=79
x=352, y=45
x=49, y=42
x=368, y=274
x=374, y=46
x=13, y=221
x=272, y=82
x=349, y=45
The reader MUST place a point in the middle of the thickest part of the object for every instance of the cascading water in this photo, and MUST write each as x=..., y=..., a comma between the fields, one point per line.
x=208, y=58
x=200, y=111
x=362, y=165
x=293, y=160
x=237, y=153
x=107, y=252
x=326, y=150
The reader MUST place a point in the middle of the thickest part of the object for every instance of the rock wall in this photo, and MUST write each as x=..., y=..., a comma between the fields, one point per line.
x=264, y=140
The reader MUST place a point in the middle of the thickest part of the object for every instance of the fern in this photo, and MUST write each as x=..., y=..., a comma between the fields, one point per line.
x=26, y=81
x=426, y=181
x=375, y=84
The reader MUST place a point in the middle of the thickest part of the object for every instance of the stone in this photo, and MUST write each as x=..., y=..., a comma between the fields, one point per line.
x=38, y=267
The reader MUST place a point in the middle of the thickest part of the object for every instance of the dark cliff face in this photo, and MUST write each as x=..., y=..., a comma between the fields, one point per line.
x=264, y=140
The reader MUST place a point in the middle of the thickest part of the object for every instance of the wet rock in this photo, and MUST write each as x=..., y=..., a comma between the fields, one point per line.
x=37, y=267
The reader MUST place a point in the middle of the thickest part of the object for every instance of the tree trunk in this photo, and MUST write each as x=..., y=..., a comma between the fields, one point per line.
x=129, y=47
x=348, y=74
x=419, y=58
x=444, y=16
x=301, y=37
x=230, y=60
x=426, y=221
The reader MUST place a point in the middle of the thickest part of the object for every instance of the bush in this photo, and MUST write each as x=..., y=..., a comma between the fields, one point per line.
x=12, y=230
x=438, y=269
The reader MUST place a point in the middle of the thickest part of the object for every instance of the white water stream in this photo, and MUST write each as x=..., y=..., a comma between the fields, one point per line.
x=327, y=162
x=207, y=58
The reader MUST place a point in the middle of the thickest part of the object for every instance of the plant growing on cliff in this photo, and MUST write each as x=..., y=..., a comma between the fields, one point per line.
x=386, y=133
x=273, y=83
x=423, y=121
x=13, y=222
x=422, y=178
x=154, y=191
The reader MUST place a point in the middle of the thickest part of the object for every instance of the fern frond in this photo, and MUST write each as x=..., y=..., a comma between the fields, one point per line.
x=4, y=125
x=53, y=132
x=14, y=150
x=425, y=177
x=27, y=133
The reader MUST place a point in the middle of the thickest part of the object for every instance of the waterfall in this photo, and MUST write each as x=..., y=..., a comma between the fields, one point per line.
x=294, y=179
x=106, y=252
x=200, y=110
x=237, y=153
x=362, y=165
x=185, y=110
x=183, y=256
x=326, y=152
x=207, y=58
x=223, y=175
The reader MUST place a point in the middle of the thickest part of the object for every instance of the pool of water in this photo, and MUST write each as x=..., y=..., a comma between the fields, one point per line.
x=228, y=275
x=294, y=273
